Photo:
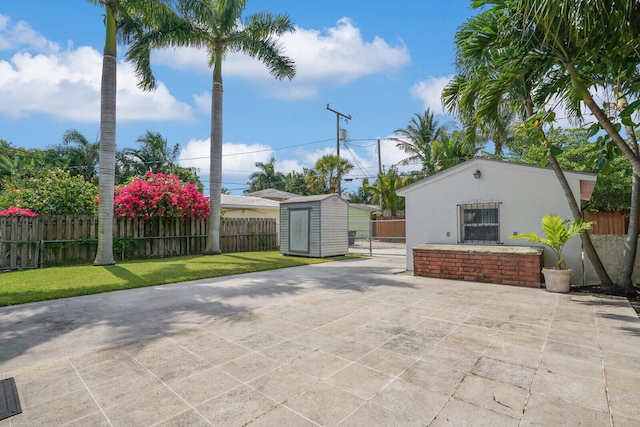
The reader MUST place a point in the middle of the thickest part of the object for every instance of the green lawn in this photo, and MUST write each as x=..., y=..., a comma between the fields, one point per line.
x=20, y=287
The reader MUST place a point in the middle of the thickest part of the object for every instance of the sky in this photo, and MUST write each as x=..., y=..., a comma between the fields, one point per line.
x=377, y=61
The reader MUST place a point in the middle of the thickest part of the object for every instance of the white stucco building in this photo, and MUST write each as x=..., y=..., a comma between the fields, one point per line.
x=483, y=201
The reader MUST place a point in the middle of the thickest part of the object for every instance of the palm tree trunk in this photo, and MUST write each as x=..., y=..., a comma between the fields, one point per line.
x=625, y=281
x=215, y=171
x=104, y=255
x=587, y=244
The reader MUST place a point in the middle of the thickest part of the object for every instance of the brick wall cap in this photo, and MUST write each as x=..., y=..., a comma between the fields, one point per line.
x=497, y=249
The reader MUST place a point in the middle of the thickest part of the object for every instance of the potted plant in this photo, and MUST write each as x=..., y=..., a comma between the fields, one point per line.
x=557, y=232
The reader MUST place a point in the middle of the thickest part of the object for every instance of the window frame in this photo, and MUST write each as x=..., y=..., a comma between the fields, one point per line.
x=464, y=226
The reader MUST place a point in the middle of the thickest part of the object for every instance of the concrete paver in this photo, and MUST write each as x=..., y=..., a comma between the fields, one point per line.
x=345, y=343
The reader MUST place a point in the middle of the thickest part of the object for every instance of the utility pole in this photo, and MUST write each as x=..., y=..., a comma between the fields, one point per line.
x=380, y=173
x=346, y=120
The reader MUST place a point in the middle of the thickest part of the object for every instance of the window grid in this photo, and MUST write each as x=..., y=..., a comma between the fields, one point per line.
x=479, y=223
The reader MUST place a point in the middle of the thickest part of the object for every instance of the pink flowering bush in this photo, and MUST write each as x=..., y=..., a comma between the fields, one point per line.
x=16, y=211
x=160, y=195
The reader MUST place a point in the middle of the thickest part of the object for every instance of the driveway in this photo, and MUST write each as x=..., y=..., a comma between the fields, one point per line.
x=344, y=343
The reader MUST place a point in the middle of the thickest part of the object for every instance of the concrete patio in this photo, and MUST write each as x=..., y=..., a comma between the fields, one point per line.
x=354, y=343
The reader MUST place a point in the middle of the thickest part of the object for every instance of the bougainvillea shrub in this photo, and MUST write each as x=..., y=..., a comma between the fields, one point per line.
x=160, y=195
x=16, y=211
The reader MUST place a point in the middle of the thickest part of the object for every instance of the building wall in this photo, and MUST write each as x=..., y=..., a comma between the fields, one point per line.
x=526, y=194
x=610, y=248
x=328, y=226
x=335, y=227
x=359, y=221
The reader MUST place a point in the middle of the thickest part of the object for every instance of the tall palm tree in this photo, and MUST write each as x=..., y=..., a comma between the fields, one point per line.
x=147, y=11
x=496, y=74
x=217, y=26
x=417, y=138
x=266, y=177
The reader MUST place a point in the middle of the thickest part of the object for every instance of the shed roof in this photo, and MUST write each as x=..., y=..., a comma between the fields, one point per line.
x=247, y=202
x=272, y=193
x=316, y=198
x=368, y=208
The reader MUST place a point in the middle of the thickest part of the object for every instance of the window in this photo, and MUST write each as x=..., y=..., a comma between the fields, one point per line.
x=479, y=222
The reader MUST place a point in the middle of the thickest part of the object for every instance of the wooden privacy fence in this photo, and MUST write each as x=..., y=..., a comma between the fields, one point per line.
x=31, y=242
x=389, y=228
x=608, y=222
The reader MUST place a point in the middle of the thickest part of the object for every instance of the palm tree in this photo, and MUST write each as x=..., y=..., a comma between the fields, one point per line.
x=496, y=74
x=153, y=155
x=217, y=26
x=417, y=138
x=83, y=157
x=590, y=45
x=324, y=176
x=146, y=11
x=452, y=149
x=266, y=177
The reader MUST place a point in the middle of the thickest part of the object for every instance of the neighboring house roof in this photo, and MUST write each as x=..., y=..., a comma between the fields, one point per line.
x=368, y=208
x=587, y=180
x=316, y=198
x=247, y=202
x=272, y=194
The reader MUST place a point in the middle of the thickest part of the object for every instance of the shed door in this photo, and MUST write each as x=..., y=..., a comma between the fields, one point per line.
x=299, y=230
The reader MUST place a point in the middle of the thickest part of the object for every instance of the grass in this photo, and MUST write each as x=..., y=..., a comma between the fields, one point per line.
x=21, y=287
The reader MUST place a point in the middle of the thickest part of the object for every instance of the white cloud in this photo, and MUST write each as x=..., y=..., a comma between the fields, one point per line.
x=66, y=85
x=429, y=91
x=389, y=154
x=203, y=102
x=22, y=36
x=335, y=56
x=238, y=160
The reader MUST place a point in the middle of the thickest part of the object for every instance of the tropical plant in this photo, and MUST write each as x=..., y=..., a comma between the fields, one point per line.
x=51, y=192
x=266, y=177
x=294, y=183
x=160, y=195
x=326, y=172
x=154, y=154
x=384, y=191
x=217, y=26
x=417, y=138
x=557, y=233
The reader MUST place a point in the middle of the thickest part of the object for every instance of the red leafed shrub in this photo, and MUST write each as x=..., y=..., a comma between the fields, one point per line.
x=16, y=211
x=160, y=195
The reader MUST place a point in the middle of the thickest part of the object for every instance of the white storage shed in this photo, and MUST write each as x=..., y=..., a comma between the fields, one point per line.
x=314, y=226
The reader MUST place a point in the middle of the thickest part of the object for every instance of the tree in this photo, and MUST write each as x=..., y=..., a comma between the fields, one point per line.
x=154, y=154
x=78, y=154
x=217, y=26
x=324, y=176
x=145, y=11
x=385, y=188
x=590, y=45
x=496, y=72
x=417, y=139
x=363, y=194
x=294, y=183
x=266, y=177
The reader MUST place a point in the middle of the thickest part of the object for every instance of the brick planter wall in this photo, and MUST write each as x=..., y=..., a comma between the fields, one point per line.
x=507, y=265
